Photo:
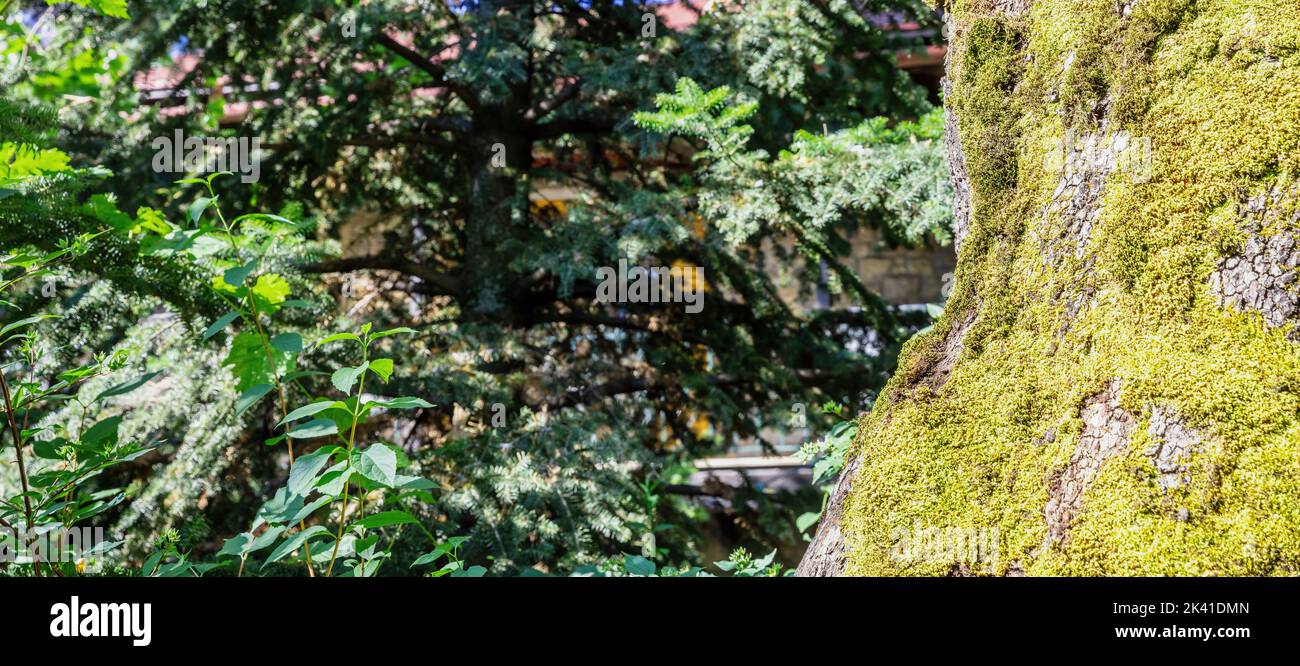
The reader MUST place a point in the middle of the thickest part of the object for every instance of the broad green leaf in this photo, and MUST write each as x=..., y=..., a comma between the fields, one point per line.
x=235, y=276
x=344, y=378
x=127, y=387
x=270, y=291
x=404, y=482
x=807, y=520
x=404, y=402
x=377, y=463
x=302, y=476
x=309, y=410
x=294, y=543
x=287, y=342
x=385, y=519
x=314, y=428
x=248, y=360
x=429, y=558
x=334, y=480
x=382, y=367
x=220, y=324
x=196, y=209
x=472, y=572
x=393, y=331
x=638, y=566
x=49, y=448
x=251, y=397
x=102, y=431
x=338, y=336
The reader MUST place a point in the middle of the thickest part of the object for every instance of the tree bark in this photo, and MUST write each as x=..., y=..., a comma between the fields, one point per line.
x=1114, y=387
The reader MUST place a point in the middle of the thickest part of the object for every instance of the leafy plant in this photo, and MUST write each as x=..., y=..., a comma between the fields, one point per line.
x=64, y=457
x=830, y=453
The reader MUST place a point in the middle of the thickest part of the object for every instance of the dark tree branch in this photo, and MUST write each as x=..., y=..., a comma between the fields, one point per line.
x=441, y=283
x=546, y=106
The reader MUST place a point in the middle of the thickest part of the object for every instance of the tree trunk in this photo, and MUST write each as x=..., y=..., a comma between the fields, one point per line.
x=1114, y=388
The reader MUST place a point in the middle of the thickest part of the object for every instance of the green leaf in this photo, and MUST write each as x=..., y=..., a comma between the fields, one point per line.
x=105, y=430
x=393, y=331
x=404, y=482
x=234, y=546
x=638, y=566
x=270, y=291
x=382, y=367
x=807, y=520
x=385, y=519
x=404, y=402
x=287, y=342
x=377, y=463
x=302, y=476
x=344, y=378
x=49, y=449
x=114, y=8
x=339, y=336
x=315, y=428
x=249, y=363
x=21, y=323
x=196, y=209
x=251, y=397
x=127, y=387
x=294, y=542
x=309, y=410
x=472, y=572
x=235, y=276
x=220, y=324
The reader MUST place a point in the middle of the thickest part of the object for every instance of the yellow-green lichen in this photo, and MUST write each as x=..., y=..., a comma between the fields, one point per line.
x=1042, y=321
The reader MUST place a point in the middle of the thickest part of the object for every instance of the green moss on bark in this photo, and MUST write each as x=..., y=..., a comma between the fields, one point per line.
x=1047, y=312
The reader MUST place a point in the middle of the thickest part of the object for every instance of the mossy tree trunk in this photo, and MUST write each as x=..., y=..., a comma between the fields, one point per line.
x=1114, y=388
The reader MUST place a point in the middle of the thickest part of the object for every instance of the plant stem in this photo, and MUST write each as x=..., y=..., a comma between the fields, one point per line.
x=270, y=360
x=352, y=436
x=22, y=468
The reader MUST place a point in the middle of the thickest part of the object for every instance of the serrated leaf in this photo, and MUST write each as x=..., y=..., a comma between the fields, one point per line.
x=377, y=463
x=270, y=291
x=287, y=342
x=382, y=367
x=302, y=476
x=344, y=378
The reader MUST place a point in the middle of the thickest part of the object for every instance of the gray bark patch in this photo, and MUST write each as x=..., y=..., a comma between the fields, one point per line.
x=828, y=554
x=1085, y=163
x=1107, y=428
x=1262, y=277
x=1173, y=442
